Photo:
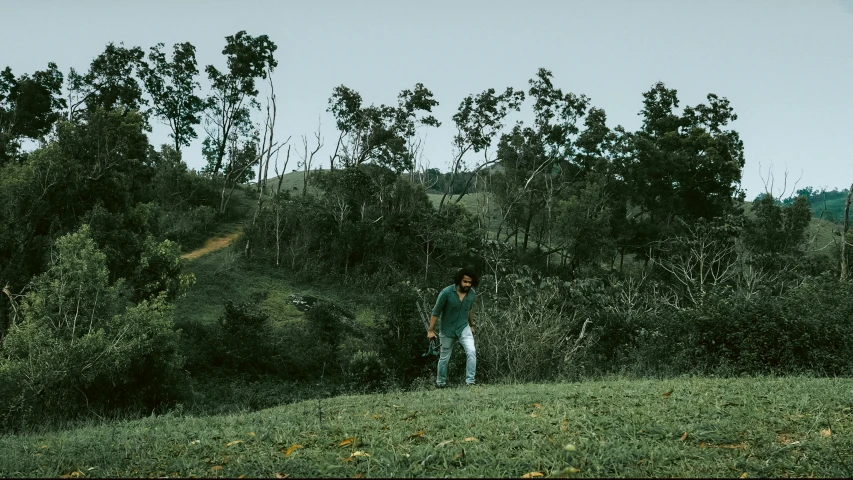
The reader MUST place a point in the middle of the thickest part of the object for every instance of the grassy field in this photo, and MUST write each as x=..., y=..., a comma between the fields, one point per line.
x=746, y=427
x=223, y=275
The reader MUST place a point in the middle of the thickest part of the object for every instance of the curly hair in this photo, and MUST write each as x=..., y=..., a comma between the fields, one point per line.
x=469, y=272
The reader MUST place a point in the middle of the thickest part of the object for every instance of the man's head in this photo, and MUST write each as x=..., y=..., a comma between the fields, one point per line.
x=465, y=279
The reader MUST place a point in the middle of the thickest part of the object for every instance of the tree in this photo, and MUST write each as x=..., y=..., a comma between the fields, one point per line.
x=679, y=165
x=379, y=134
x=280, y=202
x=539, y=162
x=228, y=107
x=110, y=83
x=172, y=87
x=29, y=107
x=478, y=119
x=307, y=158
x=844, y=241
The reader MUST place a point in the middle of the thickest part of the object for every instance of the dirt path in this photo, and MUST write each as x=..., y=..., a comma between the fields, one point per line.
x=214, y=244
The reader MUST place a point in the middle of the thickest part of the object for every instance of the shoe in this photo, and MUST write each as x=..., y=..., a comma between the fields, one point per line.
x=437, y=385
x=471, y=384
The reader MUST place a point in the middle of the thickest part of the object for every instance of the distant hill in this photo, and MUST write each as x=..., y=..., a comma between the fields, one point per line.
x=832, y=209
x=292, y=181
x=827, y=205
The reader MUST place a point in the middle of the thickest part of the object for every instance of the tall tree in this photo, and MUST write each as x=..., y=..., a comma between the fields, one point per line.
x=683, y=165
x=379, y=134
x=172, y=86
x=478, y=119
x=844, y=241
x=110, y=83
x=29, y=107
x=234, y=92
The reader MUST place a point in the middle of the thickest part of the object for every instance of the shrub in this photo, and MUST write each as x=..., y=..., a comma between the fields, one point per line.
x=532, y=332
x=79, y=348
x=244, y=344
x=366, y=370
x=403, y=336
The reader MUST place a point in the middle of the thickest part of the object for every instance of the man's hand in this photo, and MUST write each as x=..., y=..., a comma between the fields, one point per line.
x=430, y=334
x=472, y=329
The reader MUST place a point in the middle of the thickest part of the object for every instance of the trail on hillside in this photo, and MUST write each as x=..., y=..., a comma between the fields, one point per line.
x=214, y=244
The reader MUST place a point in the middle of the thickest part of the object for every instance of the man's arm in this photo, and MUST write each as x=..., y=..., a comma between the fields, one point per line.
x=471, y=319
x=436, y=311
x=431, y=329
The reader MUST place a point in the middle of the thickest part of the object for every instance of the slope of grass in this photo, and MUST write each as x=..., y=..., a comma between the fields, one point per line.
x=831, y=209
x=292, y=182
x=645, y=428
x=223, y=275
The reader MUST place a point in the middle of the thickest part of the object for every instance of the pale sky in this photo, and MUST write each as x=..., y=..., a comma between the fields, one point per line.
x=786, y=66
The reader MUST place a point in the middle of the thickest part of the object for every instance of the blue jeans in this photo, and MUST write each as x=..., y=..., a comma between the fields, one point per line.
x=466, y=339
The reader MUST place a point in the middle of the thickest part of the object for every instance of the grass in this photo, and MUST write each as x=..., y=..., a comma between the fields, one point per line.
x=645, y=428
x=223, y=275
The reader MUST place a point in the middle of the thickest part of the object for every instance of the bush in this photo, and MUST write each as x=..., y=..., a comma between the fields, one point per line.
x=245, y=343
x=531, y=332
x=367, y=371
x=804, y=331
x=403, y=336
x=79, y=347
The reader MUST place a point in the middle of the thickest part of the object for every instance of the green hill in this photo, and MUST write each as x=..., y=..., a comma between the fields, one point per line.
x=832, y=210
x=684, y=427
x=292, y=181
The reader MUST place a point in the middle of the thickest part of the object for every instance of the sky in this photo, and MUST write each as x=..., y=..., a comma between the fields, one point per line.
x=786, y=66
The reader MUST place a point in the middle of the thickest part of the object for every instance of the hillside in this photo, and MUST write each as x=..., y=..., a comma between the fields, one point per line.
x=684, y=427
x=292, y=181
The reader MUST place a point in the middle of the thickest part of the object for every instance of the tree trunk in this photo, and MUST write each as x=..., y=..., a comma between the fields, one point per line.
x=844, y=234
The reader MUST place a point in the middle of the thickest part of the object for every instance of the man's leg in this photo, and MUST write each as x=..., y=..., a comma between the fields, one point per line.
x=447, y=342
x=466, y=338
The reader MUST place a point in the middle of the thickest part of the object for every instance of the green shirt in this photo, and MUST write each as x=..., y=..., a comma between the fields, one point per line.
x=452, y=311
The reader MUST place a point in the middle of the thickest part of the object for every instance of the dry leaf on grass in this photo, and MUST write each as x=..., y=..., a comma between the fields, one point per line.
x=533, y=475
x=533, y=415
x=667, y=394
x=684, y=437
x=235, y=442
x=537, y=405
x=290, y=450
x=217, y=467
x=417, y=434
x=472, y=439
x=282, y=475
x=356, y=455
x=251, y=434
x=346, y=442
x=825, y=432
x=744, y=475
x=459, y=455
x=446, y=442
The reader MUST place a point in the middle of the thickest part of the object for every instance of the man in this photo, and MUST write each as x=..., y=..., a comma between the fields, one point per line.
x=455, y=307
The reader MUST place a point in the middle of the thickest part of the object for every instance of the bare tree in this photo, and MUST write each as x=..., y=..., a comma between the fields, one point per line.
x=308, y=158
x=265, y=153
x=278, y=207
x=844, y=233
x=699, y=260
x=770, y=183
